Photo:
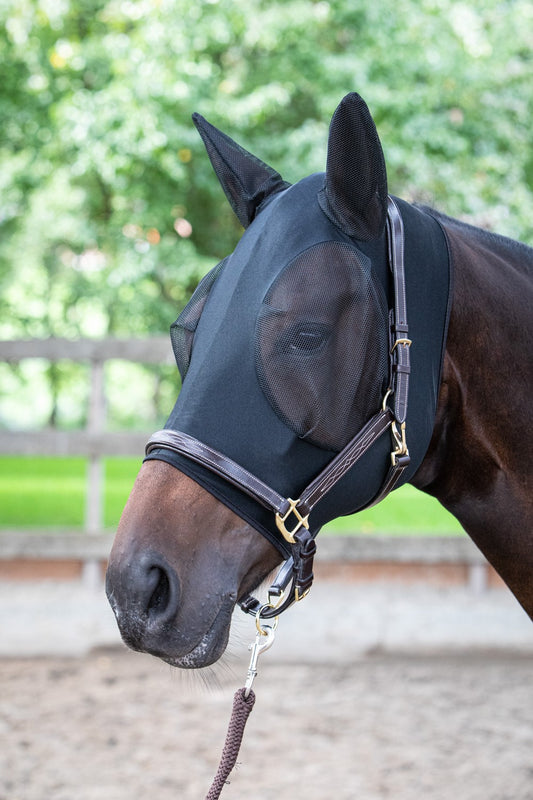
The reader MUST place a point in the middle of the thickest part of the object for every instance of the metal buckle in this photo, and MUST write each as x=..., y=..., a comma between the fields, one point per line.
x=302, y=522
x=400, y=442
x=406, y=342
x=385, y=399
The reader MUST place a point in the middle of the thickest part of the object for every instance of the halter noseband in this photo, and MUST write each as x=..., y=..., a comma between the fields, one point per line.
x=292, y=516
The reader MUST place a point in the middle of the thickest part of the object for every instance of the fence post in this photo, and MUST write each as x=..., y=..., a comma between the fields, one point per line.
x=94, y=501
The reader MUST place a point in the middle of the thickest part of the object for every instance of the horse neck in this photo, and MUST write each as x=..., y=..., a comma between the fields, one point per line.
x=479, y=463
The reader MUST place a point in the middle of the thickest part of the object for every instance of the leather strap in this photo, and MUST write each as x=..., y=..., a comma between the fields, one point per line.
x=391, y=480
x=297, y=570
x=400, y=343
x=254, y=487
x=400, y=355
x=221, y=465
x=345, y=460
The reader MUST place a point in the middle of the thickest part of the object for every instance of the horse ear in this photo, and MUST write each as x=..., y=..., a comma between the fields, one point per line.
x=246, y=180
x=355, y=192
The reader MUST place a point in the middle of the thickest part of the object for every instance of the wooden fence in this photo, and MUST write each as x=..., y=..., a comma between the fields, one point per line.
x=33, y=554
x=94, y=443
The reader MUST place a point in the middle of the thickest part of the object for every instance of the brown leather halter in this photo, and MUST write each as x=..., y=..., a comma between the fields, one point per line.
x=292, y=516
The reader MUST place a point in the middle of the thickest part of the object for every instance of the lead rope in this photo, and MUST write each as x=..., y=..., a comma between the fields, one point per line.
x=242, y=707
x=243, y=702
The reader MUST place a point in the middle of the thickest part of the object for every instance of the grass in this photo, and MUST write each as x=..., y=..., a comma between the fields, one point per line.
x=404, y=512
x=50, y=492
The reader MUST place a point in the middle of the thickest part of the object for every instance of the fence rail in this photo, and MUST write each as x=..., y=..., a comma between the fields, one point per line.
x=93, y=442
x=152, y=350
x=71, y=443
x=431, y=550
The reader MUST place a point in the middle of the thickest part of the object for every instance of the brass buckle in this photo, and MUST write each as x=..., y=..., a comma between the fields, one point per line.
x=385, y=399
x=302, y=522
x=399, y=440
x=406, y=342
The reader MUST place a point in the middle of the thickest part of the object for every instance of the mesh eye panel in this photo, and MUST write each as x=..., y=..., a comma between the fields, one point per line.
x=321, y=344
x=183, y=329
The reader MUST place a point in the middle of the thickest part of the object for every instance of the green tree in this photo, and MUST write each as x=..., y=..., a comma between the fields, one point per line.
x=109, y=210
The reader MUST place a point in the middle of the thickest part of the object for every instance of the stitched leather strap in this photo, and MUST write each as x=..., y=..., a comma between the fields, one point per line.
x=344, y=461
x=221, y=465
x=391, y=480
x=400, y=359
x=297, y=570
x=254, y=487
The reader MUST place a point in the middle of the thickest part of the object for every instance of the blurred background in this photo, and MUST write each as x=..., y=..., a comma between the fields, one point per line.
x=109, y=215
x=110, y=212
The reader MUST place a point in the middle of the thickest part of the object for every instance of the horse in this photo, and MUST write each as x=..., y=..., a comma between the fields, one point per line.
x=298, y=361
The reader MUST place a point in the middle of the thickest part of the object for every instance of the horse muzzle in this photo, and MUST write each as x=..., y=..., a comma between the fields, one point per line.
x=145, y=595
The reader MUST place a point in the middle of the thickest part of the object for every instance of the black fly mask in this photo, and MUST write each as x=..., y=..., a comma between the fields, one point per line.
x=285, y=346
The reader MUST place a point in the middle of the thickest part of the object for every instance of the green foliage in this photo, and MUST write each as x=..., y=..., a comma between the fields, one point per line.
x=101, y=158
x=109, y=210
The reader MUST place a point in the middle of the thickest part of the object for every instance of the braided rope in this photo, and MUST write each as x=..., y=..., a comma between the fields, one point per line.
x=242, y=707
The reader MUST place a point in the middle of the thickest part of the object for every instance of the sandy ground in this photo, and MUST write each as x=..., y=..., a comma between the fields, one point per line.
x=121, y=726
x=405, y=694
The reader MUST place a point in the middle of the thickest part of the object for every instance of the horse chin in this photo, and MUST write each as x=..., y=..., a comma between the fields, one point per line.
x=205, y=653
x=170, y=645
x=210, y=647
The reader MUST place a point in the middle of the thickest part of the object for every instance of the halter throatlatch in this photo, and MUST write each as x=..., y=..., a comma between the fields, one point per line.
x=292, y=516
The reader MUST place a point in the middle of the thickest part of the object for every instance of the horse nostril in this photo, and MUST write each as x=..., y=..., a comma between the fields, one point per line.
x=160, y=597
x=146, y=590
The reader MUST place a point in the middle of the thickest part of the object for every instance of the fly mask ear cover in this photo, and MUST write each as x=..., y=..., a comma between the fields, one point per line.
x=285, y=346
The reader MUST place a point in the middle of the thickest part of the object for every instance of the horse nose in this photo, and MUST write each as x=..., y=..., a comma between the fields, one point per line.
x=144, y=595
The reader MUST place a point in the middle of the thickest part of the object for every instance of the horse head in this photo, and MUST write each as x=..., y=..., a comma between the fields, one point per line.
x=284, y=352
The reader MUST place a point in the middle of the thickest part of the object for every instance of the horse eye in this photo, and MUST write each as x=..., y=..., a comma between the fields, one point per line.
x=305, y=339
